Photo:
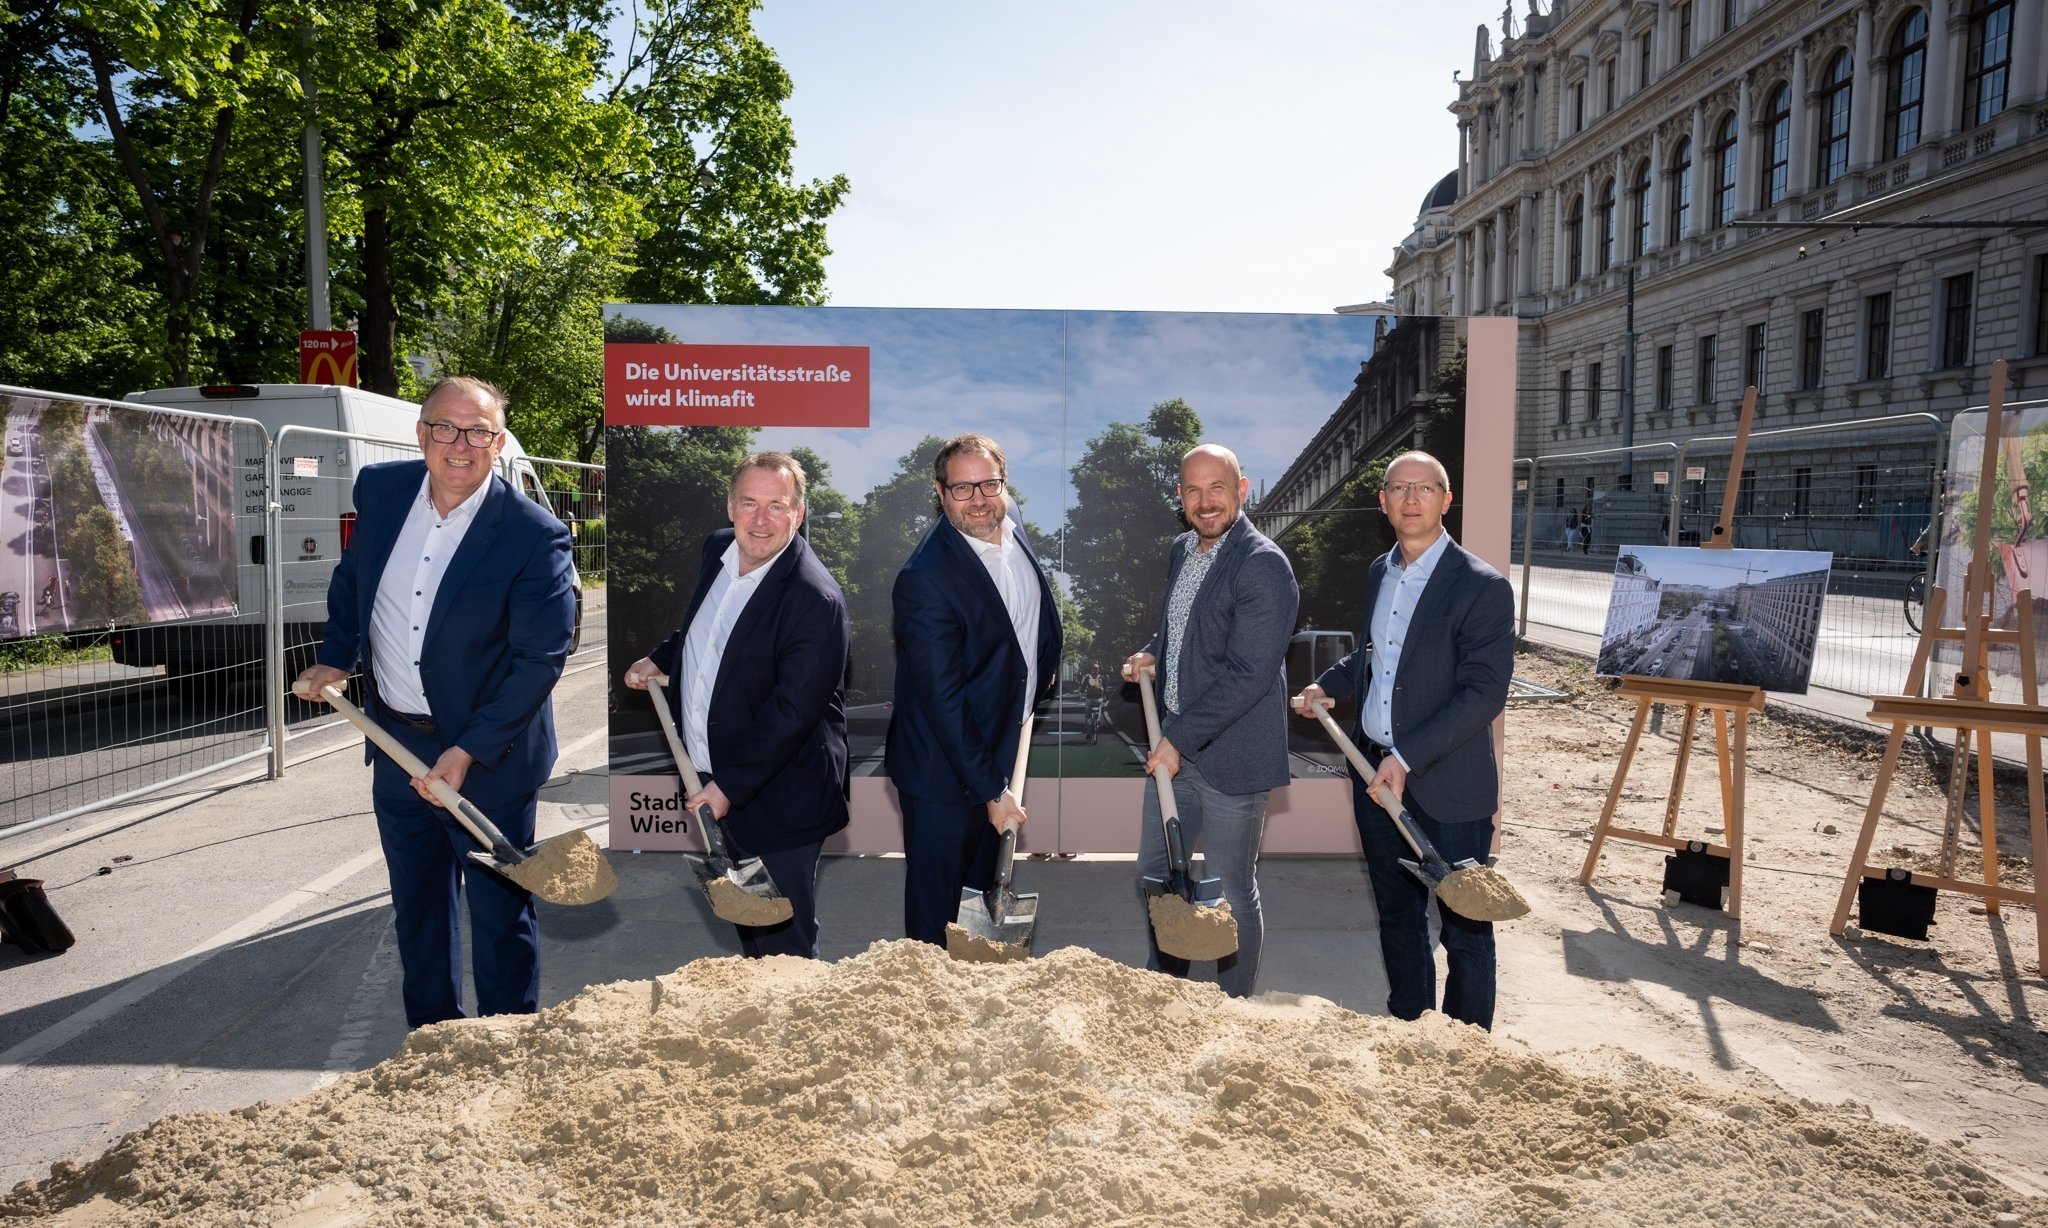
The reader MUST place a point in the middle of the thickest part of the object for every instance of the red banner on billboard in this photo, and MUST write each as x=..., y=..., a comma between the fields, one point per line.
x=327, y=357
x=735, y=385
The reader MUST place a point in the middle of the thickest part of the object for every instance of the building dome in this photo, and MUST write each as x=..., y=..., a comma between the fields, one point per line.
x=1442, y=196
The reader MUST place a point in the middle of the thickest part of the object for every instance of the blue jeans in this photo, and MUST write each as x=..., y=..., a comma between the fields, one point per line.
x=1229, y=827
x=1404, y=904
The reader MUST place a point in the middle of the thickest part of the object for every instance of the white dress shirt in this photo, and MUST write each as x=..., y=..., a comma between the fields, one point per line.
x=405, y=595
x=1017, y=581
x=1392, y=609
x=704, y=646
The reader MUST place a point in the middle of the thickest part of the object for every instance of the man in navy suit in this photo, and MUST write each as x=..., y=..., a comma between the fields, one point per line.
x=456, y=600
x=977, y=646
x=1432, y=675
x=758, y=692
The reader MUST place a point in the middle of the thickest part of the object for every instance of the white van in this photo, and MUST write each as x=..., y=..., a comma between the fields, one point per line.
x=315, y=488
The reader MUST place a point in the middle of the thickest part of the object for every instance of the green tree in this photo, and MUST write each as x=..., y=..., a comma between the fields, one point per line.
x=104, y=590
x=831, y=521
x=1125, y=514
x=1331, y=551
x=893, y=517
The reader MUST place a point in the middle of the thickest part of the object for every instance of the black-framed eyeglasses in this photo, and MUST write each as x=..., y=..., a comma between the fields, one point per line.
x=961, y=492
x=447, y=432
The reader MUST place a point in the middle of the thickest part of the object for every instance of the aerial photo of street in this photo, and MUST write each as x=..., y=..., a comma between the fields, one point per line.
x=1750, y=617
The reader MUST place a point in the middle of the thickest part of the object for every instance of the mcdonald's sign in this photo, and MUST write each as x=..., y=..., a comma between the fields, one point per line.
x=327, y=357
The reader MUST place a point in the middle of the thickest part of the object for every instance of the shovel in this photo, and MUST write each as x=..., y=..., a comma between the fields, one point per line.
x=743, y=894
x=995, y=926
x=1190, y=917
x=564, y=869
x=1467, y=888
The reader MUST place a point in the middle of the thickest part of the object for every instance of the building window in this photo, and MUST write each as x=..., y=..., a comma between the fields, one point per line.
x=1988, y=67
x=1802, y=490
x=1678, y=187
x=1905, y=85
x=1745, y=493
x=1578, y=106
x=1835, y=96
x=1603, y=216
x=1592, y=390
x=1877, y=336
x=1811, y=326
x=1646, y=60
x=1753, y=359
x=1777, y=147
x=1575, y=240
x=1866, y=489
x=1728, y=14
x=1666, y=367
x=1703, y=370
x=2041, y=303
x=1560, y=494
x=1685, y=32
x=1723, y=161
x=1564, y=399
x=1639, y=211
x=1957, y=294
x=1607, y=75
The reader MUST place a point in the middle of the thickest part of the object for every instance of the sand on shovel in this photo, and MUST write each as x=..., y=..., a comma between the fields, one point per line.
x=977, y=950
x=730, y=903
x=1192, y=931
x=1481, y=893
x=566, y=869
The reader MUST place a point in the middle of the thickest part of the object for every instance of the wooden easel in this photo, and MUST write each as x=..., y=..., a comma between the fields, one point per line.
x=1973, y=714
x=1730, y=704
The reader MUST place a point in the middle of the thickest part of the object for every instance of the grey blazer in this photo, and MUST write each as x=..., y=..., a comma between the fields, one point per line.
x=1232, y=723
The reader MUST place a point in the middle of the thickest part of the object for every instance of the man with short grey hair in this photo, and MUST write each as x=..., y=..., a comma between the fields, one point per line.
x=1221, y=649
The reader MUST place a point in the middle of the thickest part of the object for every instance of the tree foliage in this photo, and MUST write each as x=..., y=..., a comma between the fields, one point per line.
x=1125, y=514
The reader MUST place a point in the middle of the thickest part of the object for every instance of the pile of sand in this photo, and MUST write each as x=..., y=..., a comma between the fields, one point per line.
x=903, y=1088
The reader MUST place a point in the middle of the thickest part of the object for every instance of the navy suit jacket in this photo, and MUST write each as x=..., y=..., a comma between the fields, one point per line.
x=960, y=677
x=1232, y=722
x=498, y=634
x=1452, y=682
x=777, y=722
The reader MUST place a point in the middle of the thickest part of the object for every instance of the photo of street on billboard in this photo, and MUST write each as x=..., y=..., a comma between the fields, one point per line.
x=1749, y=617
x=112, y=518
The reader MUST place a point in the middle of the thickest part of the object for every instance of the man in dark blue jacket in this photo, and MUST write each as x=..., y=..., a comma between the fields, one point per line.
x=1431, y=675
x=977, y=646
x=456, y=599
x=758, y=691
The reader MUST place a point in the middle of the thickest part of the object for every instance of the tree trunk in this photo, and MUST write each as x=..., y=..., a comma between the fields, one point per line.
x=379, y=338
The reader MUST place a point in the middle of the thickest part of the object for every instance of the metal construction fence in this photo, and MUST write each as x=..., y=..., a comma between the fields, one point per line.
x=1866, y=491
x=115, y=681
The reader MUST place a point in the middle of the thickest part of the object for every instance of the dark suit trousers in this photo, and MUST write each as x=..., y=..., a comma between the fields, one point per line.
x=946, y=849
x=1404, y=905
x=426, y=851
x=795, y=872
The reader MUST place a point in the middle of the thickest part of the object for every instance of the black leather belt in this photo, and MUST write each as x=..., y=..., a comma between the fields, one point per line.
x=1373, y=750
x=418, y=724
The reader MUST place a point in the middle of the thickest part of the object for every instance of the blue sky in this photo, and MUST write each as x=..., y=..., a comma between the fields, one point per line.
x=1256, y=155
x=1726, y=568
x=1262, y=384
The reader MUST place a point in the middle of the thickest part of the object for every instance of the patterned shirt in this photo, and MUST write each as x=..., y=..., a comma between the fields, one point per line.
x=1181, y=602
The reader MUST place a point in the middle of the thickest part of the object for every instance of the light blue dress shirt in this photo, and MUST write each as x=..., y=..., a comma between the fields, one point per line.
x=1400, y=589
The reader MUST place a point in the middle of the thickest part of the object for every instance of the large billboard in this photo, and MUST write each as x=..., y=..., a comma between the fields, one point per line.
x=112, y=515
x=1093, y=410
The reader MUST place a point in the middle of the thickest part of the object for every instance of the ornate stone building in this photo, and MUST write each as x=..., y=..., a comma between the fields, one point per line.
x=1610, y=137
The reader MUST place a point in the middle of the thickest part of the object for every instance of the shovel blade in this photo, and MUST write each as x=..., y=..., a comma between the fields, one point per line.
x=993, y=925
x=1431, y=871
x=566, y=869
x=741, y=893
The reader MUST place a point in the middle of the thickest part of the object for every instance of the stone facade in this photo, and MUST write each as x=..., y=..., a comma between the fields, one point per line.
x=1606, y=136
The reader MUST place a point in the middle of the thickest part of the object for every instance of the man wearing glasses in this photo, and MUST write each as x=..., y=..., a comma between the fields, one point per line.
x=1432, y=675
x=1221, y=654
x=977, y=646
x=455, y=599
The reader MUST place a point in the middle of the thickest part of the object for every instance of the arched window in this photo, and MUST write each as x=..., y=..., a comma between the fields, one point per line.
x=1603, y=243
x=1678, y=190
x=1905, y=84
x=1832, y=160
x=1639, y=210
x=1777, y=147
x=1988, y=67
x=1722, y=159
x=1575, y=239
